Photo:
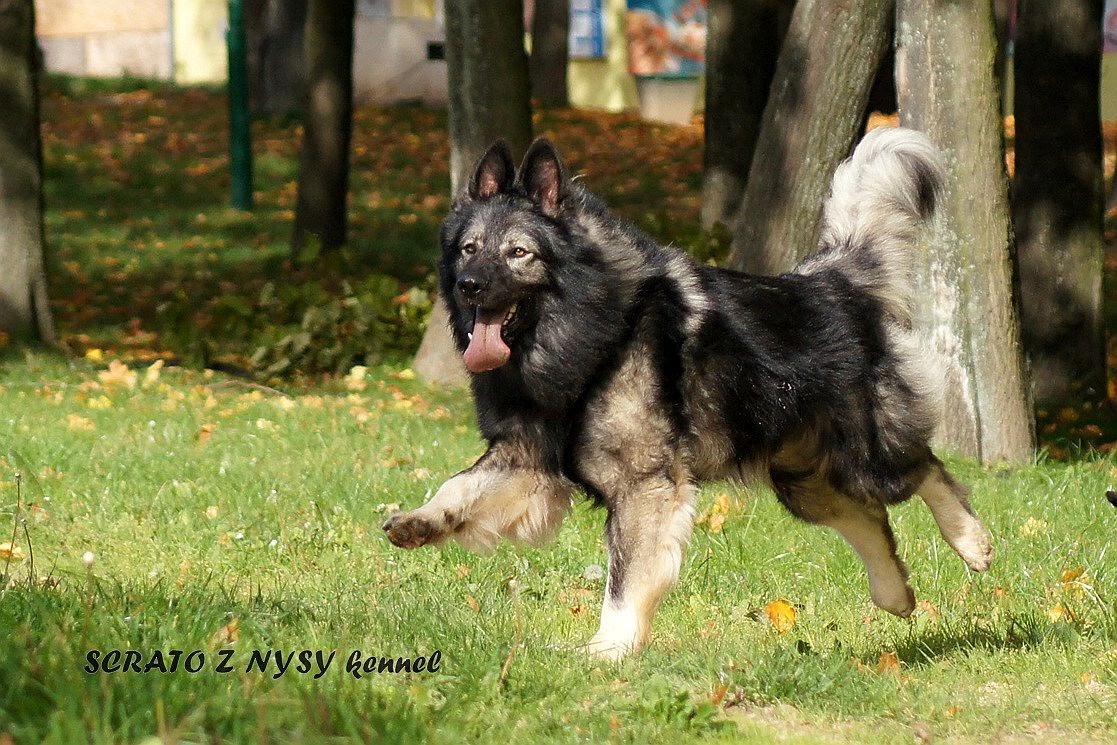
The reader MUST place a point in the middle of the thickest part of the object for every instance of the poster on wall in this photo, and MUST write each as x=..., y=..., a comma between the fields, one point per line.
x=587, y=29
x=666, y=38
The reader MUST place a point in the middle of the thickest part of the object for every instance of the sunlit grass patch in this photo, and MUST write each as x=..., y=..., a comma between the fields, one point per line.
x=221, y=515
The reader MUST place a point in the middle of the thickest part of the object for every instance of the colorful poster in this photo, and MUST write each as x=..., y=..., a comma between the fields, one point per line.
x=587, y=29
x=666, y=38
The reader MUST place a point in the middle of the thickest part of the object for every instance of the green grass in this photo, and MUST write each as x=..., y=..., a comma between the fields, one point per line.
x=271, y=518
x=215, y=509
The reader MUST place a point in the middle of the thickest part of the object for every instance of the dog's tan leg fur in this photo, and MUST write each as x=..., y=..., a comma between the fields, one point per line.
x=868, y=533
x=492, y=500
x=959, y=524
x=647, y=531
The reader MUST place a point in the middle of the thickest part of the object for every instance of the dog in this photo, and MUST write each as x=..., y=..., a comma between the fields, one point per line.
x=603, y=361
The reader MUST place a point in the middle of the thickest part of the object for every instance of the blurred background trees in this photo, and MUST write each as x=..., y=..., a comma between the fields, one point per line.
x=789, y=87
x=490, y=98
x=327, y=126
x=742, y=44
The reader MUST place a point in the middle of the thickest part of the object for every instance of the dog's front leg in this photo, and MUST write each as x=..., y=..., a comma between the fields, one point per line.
x=646, y=531
x=503, y=495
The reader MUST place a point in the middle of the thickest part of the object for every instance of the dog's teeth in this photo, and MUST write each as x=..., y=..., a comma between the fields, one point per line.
x=470, y=335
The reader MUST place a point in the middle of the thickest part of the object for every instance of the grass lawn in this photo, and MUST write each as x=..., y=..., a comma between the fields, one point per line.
x=167, y=508
x=221, y=514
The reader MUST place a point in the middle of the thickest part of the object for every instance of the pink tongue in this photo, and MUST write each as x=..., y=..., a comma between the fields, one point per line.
x=486, y=350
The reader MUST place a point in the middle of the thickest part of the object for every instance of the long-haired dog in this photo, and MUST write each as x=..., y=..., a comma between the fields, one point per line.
x=604, y=361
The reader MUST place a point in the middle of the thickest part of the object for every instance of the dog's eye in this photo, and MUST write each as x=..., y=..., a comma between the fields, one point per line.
x=469, y=249
x=519, y=252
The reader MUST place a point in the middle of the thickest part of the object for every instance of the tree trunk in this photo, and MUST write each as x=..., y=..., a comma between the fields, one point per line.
x=488, y=76
x=24, y=308
x=742, y=44
x=327, y=126
x=1058, y=194
x=550, y=40
x=946, y=87
x=489, y=99
x=826, y=66
x=282, y=60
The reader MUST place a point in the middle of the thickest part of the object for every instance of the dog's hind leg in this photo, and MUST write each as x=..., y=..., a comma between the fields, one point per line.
x=647, y=530
x=863, y=524
x=866, y=529
x=959, y=524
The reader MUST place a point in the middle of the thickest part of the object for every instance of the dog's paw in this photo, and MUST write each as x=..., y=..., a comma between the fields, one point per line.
x=896, y=598
x=609, y=650
x=408, y=530
x=976, y=547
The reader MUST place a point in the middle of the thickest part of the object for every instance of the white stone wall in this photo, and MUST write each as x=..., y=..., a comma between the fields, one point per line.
x=106, y=38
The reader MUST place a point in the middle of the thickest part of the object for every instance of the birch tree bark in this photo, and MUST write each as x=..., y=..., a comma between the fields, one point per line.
x=945, y=82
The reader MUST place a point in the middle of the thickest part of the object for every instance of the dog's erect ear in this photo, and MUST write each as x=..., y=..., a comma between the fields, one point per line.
x=543, y=177
x=494, y=173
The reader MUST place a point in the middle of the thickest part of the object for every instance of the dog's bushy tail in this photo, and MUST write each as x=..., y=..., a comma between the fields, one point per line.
x=878, y=200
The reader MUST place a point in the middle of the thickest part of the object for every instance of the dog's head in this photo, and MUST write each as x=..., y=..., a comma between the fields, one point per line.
x=500, y=245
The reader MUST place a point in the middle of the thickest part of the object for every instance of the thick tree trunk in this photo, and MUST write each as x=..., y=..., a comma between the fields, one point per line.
x=24, y=309
x=742, y=45
x=550, y=40
x=490, y=95
x=1058, y=194
x=282, y=57
x=945, y=83
x=826, y=66
x=489, y=99
x=327, y=126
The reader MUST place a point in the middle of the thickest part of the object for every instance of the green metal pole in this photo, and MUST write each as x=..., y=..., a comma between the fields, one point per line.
x=240, y=134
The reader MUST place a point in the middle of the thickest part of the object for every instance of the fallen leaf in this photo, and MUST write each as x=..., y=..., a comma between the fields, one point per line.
x=1032, y=527
x=227, y=634
x=95, y=355
x=472, y=602
x=888, y=663
x=928, y=609
x=79, y=423
x=1070, y=575
x=118, y=375
x=205, y=433
x=151, y=376
x=355, y=380
x=781, y=614
x=100, y=402
x=8, y=552
x=1060, y=612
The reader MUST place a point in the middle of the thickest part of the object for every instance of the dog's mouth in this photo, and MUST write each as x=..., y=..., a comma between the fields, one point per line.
x=487, y=348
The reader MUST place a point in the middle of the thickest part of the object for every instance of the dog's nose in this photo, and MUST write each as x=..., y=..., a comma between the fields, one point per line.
x=469, y=287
